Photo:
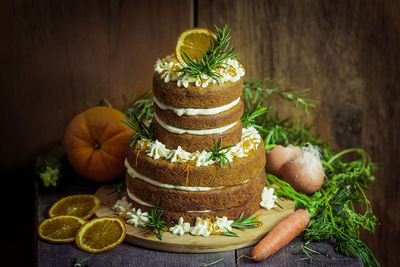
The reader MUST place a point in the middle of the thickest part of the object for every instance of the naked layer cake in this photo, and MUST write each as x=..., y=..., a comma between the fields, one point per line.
x=196, y=120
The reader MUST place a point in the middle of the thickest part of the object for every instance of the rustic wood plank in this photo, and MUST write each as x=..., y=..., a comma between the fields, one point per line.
x=348, y=53
x=71, y=54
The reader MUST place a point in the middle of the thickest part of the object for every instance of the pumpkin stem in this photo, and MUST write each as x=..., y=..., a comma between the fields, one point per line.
x=96, y=144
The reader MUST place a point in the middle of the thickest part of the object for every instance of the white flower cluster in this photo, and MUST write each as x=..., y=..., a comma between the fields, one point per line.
x=203, y=227
x=167, y=67
x=250, y=141
x=135, y=217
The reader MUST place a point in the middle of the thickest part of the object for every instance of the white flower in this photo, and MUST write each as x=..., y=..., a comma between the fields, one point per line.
x=181, y=228
x=122, y=205
x=202, y=227
x=179, y=155
x=222, y=224
x=137, y=218
x=202, y=157
x=268, y=198
x=158, y=150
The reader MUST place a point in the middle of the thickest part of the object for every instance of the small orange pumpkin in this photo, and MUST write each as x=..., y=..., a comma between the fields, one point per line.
x=96, y=142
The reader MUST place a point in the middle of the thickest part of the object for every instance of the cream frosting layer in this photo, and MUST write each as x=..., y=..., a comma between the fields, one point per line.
x=196, y=111
x=249, y=141
x=176, y=130
x=133, y=173
x=168, y=66
x=141, y=202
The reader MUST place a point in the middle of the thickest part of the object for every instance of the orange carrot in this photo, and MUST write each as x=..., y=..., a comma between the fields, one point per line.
x=282, y=233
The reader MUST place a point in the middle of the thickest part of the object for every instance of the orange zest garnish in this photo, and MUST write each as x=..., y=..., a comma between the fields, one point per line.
x=188, y=164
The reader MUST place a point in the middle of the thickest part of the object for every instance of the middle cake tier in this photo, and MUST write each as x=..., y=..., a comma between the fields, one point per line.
x=248, y=158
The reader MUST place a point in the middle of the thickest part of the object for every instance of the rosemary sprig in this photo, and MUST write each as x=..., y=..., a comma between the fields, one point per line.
x=143, y=107
x=250, y=222
x=230, y=233
x=264, y=90
x=80, y=263
x=218, y=152
x=156, y=222
x=213, y=59
x=142, y=131
x=212, y=263
x=250, y=117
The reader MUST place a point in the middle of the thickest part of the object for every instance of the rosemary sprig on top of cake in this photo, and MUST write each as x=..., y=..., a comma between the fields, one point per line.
x=211, y=60
x=201, y=57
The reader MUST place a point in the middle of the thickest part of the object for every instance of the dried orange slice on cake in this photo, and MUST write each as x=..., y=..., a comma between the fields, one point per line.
x=192, y=42
x=60, y=229
x=83, y=206
x=101, y=234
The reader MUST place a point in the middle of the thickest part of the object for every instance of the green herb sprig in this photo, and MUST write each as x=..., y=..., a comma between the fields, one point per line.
x=309, y=254
x=273, y=129
x=213, y=59
x=142, y=131
x=143, y=107
x=250, y=222
x=265, y=89
x=250, y=117
x=212, y=263
x=156, y=222
x=219, y=153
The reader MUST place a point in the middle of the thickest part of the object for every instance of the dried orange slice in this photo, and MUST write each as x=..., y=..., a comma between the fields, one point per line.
x=60, y=229
x=83, y=206
x=192, y=42
x=101, y=234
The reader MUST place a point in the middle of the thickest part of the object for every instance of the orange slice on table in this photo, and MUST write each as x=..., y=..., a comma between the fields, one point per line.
x=83, y=206
x=192, y=42
x=101, y=234
x=60, y=229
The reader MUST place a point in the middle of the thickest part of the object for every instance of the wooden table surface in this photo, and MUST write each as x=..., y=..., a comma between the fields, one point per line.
x=129, y=255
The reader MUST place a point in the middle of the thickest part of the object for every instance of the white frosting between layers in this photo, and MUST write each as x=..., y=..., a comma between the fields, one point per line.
x=156, y=150
x=168, y=66
x=144, y=203
x=196, y=111
x=176, y=130
x=134, y=174
x=138, y=200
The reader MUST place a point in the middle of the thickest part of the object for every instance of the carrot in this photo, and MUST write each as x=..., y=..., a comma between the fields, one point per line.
x=282, y=233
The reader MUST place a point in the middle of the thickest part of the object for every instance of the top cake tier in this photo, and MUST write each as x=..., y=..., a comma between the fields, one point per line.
x=197, y=114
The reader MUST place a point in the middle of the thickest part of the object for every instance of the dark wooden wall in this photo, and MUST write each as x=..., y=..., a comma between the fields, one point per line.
x=65, y=56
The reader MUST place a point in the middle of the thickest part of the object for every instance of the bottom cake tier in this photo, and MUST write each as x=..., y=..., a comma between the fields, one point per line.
x=172, y=216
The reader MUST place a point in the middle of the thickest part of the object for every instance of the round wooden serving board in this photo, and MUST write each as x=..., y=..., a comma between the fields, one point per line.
x=195, y=244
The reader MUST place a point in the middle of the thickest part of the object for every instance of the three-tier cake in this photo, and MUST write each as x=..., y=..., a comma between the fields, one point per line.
x=196, y=119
